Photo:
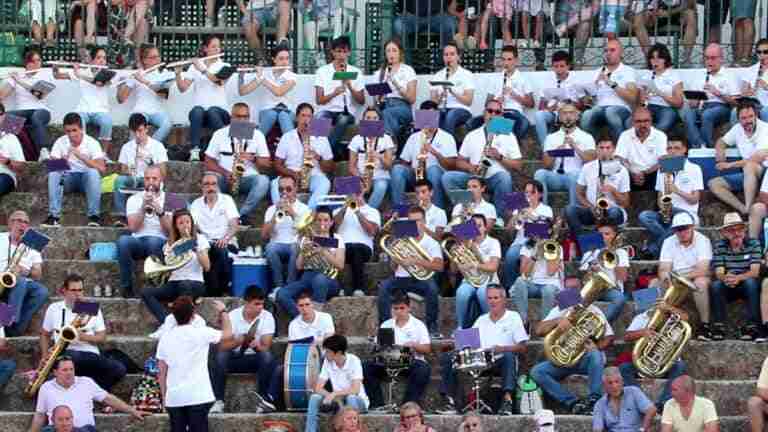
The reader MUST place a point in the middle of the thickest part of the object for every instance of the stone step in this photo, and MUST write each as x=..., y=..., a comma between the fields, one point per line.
x=704, y=359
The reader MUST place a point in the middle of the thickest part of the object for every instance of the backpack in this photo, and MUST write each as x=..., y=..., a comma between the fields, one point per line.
x=529, y=397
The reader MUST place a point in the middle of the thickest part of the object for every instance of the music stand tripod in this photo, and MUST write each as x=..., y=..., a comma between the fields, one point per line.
x=477, y=405
x=392, y=372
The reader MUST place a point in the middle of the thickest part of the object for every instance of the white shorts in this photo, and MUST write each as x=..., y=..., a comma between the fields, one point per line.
x=533, y=7
x=43, y=11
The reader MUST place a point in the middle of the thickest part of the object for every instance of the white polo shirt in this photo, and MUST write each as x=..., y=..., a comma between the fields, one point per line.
x=285, y=230
x=192, y=271
x=414, y=330
x=750, y=76
x=342, y=377
x=78, y=397
x=214, y=221
x=23, y=99
x=151, y=226
x=517, y=83
x=403, y=76
x=581, y=139
x=665, y=84
x=147, y=100
x=431, y=246
x=10, y=148
x=206, y=93
x=688, y=180
x=324, y=79
x=508, y=330
x=381, y=145
x=240, y=326
x=90, y=148
x=319, y=328
x=7, y=250
x=639, y=322
x=542, y=211
x=684, y=259
x=556, y=313
x=93, y=98
x=748, y=145
x=291, y=150
x=435, y=218
x=490, y=248
x=569, y=84
x=442, y=142
x=590, y=175
x=52, y=323
x=539, y=275
x=462, y=80
x=278, y=79
x=474, y=143
x=350, y=228
x=623, y=261
x=222, y=149
x=642, y=154
x=723, y=80
x=623, y=75
x=483, y=207
x=141, y=156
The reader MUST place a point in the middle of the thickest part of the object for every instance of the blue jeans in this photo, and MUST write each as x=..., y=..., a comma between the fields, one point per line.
x=131, y=248
x=36, y=124
x=254, y=187
x=512, y=264
x=451, y=118
x=26, y=298
x=268, y=118
x=319, y=185
x=427, y=289
x=548, y=376
x=314, y=408
x=520, y=123
x=102, y=120
x=214, y=118
x=617, y=118
x=7, y=368
x=162, y=123
x=445, y=24
x=499, y=185
x=232, y=362
x=552, y=180
x=102, y=369
x=341, y=122
x=417, y=376
x=119, y=199
x=544, y=120
x=6, y=184
x=403, y=177
x=711, y=115
x=522, y=290
x=155, y=298
x=276, y=253
x=616, y=299
x=629, y=373
x=321, y=286
x=578, y=216
x=664, y=117
x=720, y=295
x=658, y=231
x=378, y=192
x=396, y=114
x=506, y=366
x=88, y=181
x=464, y=294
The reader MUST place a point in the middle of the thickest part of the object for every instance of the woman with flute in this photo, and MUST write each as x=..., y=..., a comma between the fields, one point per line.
x=278, y=81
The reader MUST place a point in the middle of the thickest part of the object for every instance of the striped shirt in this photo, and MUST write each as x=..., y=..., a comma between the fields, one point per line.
x=736, y=261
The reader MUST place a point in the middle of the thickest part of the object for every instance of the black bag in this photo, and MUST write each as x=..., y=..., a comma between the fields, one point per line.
x=130, y=366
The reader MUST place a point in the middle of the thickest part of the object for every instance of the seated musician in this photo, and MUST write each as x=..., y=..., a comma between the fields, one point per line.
x=345, y=373
x=404, y=281
x=689, y=253
x=290, y=158
x=491, y=157
x=224, y=150
x=210, y=94
x=602, y=178
x=135, y=157
x=549, y=113
x=639, y=149
x=757, y=405
x=501, y=332
x=186, y=280
x=455, y=101
x=478, y=205
x=11, y=158
x=685, y=187
x=635, y=411
x=148, y=223
x=358, y=228
x=435, y=218
x=548, y=375
x=617, y=271
x=397, y=107
x=489, y=250
x=378, y=150
x=334, y=98
x=253, y=328
x=215, y=215
x=317, y=262
x=86, y=166
x=439, y=149
x=278, y=82
x=412, y=335
x=84, y=351
x=76, y=392
x=28, y=295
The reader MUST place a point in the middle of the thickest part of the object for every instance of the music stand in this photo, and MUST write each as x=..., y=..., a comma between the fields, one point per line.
x=469, y=339
x=386, y=339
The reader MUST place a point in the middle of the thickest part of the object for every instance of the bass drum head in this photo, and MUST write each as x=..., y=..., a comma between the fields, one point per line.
x=300, y=370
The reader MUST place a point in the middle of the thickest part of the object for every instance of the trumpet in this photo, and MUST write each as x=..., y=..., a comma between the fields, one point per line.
x=149, y=208
x=351, y=203
x=190, y=61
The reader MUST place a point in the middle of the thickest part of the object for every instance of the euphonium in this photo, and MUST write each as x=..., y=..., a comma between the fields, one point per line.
x=565, y=349
x=157, y=272
x=665, y=201
x=421, y=159
x=464, y=253
x=306, y=166
x=312, y=259
x=404, y=248
x=8, y=278
x=654, y=355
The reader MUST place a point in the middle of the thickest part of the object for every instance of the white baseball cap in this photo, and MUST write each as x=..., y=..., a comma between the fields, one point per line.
x=682, y=219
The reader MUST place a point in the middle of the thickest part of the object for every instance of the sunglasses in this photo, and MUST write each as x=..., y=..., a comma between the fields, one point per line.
x=285, y=189
x=492, y=111
x=762, y=51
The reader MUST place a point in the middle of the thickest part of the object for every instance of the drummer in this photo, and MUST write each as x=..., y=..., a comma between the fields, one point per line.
x=502, y=333
x=410, y=333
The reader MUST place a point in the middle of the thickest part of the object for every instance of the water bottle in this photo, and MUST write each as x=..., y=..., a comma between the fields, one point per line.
x=107, y=290
x=97, y=290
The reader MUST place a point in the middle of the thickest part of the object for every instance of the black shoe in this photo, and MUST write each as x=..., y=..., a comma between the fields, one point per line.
x=447, y=407
x=94, y=221
x=580, y=408
x=705, y=333
x=51, y=222
x=119, y=222
x=264, y=405
x=762, y=334
x=718, y=331
x=749, y=332
x=507, y=408
x=244, y=222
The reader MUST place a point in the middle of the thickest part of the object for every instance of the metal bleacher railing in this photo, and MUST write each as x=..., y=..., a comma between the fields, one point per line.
x=482, y=27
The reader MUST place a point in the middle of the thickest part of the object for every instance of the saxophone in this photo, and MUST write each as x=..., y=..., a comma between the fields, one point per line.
x=421, y=159
x=370, y=164
x=485, y=162
x=306, y=165
x=157, y=272
x=654, y=355
x=238, y=166
x=404, y=248
x=465, y=253
x=312, y=259
x=68, y=335
x=665, y=201
x=8, y=278
x=602, y=204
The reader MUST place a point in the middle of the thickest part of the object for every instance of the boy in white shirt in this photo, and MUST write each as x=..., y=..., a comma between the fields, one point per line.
x=358, y=229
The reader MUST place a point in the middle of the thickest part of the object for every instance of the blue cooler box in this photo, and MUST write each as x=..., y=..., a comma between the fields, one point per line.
x=250, y=271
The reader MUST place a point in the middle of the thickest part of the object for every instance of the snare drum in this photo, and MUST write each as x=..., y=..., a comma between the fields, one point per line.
x=301, y=368
x=395, y=357
x=472, y=360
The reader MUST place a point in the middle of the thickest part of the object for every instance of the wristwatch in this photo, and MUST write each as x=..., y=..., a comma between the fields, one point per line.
x=614, y=85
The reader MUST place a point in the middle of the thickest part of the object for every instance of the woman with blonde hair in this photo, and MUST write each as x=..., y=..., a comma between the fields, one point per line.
x=412, y=419
x=348, y=420
x=471, y=423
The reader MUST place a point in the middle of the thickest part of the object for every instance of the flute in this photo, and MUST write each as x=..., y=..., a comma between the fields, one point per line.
x=190, y=61
x=82, y=65
x=21, y=72
x=141, y=71
x=258, y=68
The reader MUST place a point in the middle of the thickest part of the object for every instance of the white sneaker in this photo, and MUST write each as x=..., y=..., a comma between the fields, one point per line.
x=194, y=155
x=217, y=408
x=273, y=295
x=44, y=155
x=358, y=293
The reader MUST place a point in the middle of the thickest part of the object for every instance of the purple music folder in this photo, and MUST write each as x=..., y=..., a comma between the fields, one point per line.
x=7, y=314
x=538, y=230
x=378, y=89
x=402, y=209
x=465, y=231
x=515, y=201
x=320, y=127
x=85, y=307
x=54, y=165
x=12, y=124
x=405, y=228
x=347, y=185
x=35, y=240
x=467, y=338
x=326, y=242
x=242, y=130
x=173, y=202
x=426, y=119
x=562, y=152
x=371, y=128
x=567, y=298
x=591, y=241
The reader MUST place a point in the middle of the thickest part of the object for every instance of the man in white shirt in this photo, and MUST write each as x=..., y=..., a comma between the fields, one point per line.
x=689, y=253
x=602, y=178
x=403, y=281
x=489, y=250
x=455, y=101
x=358, y=228
x=750, y=137
x=562, y=78
x=495, y=155
x=503, y=334
x=248, y=351
x=86, y=165
x=220, y=157
x=78, y=393
x=289, y=158
x=615, y=93
x=721, y=90
x=411, y=336
x=215, y=215
x=591, y=263
x=688, y=412
x=435, y=219
x=149, y=225
x=29, y=295
x=84, y=352
x=135, y=156
x=439, y=148
x=686, y=188
x=561, y=173
x=333, y=98
x=345, y=373
x=11, y=158
x=639, y=149
x=753, y=81
x=280, y=228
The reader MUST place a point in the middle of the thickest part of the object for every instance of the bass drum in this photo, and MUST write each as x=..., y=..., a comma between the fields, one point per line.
x=301, y=366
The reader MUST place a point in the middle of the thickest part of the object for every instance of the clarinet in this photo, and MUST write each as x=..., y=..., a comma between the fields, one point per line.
x=344, y=95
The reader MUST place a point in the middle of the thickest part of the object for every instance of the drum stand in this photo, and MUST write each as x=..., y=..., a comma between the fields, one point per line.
x=392, y=373
x=477, y=405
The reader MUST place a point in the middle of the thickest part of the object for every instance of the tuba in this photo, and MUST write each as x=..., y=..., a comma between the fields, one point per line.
x=463, y=253
x=654, y=355
x=157, y=272
x=8, y=278
x=565, y=349
x=306, y=166
x=665, y=201
x=312, y=259
x=403, y=248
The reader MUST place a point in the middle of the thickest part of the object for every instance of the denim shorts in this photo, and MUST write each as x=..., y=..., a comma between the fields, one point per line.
x=265, y=16
x=735, y=181
x=743, y=9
